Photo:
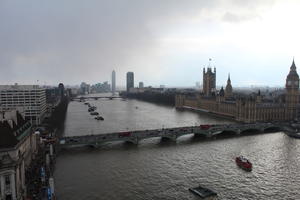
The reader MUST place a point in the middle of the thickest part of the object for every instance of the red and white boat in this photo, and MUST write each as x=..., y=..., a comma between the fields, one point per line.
x=243, y=163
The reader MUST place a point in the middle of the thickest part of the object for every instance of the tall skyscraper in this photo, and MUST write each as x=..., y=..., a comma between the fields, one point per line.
x=113, y=82
x=130, y=80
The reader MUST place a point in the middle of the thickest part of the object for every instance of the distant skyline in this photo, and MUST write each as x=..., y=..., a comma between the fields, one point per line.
x=163, y=42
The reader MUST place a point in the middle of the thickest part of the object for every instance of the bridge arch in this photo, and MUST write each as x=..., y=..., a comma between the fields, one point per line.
x=151, y=137
x=180, y=135
x=227, y=133
x=272, y=129
x=200, y=135
x=250, y=131
x=130, y=140
x=169, y=138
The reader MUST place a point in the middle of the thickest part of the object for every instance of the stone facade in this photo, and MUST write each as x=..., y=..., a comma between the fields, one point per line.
x=17, y=147
x=251, y=108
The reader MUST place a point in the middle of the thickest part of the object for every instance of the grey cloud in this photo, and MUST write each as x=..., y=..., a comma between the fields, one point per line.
x=244, y=10
x=72, y=40
x=231, y=17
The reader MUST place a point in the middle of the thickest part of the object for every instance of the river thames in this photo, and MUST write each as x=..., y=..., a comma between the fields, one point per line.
x=165, y=170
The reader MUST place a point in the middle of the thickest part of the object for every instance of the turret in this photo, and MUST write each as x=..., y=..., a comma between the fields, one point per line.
x=228, y=89
x=258, y=97
x=209, y=81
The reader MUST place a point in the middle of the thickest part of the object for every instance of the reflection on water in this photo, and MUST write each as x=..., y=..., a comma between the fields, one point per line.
x=156, y=170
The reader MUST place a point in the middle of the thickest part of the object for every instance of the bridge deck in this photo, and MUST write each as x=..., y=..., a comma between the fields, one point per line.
x=96, y=97
x=170, y=133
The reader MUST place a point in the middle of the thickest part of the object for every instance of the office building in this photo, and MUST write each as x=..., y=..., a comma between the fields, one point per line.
x=141, y=85
x=129, y=81
x=113, y=82
x=28, y=98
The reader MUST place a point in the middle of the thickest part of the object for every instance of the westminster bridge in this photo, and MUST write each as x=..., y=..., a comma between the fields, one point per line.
x=83, y=98
x=170, y=133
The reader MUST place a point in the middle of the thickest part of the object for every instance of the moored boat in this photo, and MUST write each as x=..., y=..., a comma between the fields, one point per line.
x=203, y=192
x=91, y=109
x=94, y=113
x=99, y=118
x=292, y=131
x=293, y=134
x=243, y=163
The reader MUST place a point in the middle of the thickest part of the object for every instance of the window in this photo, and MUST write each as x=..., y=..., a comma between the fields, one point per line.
x=7, y=180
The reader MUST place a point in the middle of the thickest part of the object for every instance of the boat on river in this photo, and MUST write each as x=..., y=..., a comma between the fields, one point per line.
x=99, y=118
x=243, y=163
x=293, y=134
x=92, y=109
x=292, y=131
x=203, y=192
x=94, y=113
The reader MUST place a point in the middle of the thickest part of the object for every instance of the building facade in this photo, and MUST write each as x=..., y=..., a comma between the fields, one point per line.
x=100, y=87
x=141, y=85
x=17, y=148
x=244, y=108
x=113, y=82
x=84, y=88
x=53, y=98
x=129, y=81
x=30, y=98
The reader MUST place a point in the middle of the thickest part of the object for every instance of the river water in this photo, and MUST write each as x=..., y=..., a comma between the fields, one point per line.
x=165, y=170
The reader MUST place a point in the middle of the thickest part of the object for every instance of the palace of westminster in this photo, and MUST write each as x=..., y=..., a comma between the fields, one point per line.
x=244, y=108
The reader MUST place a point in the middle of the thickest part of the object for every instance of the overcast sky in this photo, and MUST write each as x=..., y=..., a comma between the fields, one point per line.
x=162, y=41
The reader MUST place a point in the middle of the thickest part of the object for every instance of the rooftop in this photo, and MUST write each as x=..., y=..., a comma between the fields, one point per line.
x=20, y=87
x=12, y=128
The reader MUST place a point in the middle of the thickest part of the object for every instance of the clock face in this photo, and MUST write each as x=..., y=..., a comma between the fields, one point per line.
x=296, y=83
x=289, y=82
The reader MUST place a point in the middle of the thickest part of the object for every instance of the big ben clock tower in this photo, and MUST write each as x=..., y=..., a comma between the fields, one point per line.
x=292, y=93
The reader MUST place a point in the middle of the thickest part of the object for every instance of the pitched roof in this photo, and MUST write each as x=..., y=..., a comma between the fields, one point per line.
x=7, y=138
x=293, y=72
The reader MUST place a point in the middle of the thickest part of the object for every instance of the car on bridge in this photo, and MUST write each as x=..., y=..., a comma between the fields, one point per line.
x=73, y=140
x=183, y=129
x=124, y=134
x=205, y=127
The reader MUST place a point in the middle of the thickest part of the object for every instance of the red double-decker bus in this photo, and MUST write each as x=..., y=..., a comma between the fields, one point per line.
x=205, y=127
x=125, y=134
